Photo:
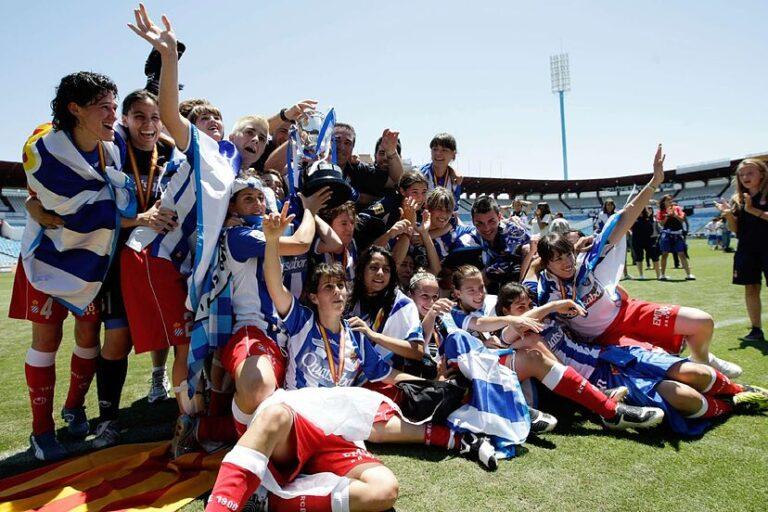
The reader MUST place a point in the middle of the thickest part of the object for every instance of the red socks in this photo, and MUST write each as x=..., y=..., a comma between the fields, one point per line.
x=712, y=407
x=82, y=369
x=721, y=385
x=565, y=381
x=439, y=435
x=40, y=371
x=300, y=503
x=239, y=476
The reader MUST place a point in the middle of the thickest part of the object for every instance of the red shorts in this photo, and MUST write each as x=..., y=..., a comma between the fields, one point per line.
x=316, y=452
x=154, y=295
x=640, y=322
x=29, y=303
x=251, y=341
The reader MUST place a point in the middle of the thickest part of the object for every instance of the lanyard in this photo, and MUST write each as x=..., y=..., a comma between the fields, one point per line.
x=378, y=323
x=142, y=193
x=102, y=158
x=337, y=370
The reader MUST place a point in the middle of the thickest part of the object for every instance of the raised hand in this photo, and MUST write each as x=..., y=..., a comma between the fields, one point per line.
x=296, y=111
x=523, y=324
x=274, y=224
x=442, y=306
x=426, y=223
x=162, y=39
x=389, y=141
x=408, y=210
x=316, y=201
x=723, y=207
x=359, y=325
x=400, y=227
x=658, y=167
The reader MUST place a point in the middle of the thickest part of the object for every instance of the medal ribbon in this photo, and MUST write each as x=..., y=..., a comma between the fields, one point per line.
x=378, y=323
x=142, y=193
x=337, y=370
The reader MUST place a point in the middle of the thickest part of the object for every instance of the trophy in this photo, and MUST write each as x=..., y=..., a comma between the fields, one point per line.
x=312, y=158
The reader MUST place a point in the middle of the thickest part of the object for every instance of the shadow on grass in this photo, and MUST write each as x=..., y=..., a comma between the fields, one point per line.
x=762, y=346
x=142, y=422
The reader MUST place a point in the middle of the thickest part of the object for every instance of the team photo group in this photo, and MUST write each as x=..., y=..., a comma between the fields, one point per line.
x=312, y=305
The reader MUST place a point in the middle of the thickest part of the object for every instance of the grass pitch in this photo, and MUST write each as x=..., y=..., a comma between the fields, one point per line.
x=579, y=467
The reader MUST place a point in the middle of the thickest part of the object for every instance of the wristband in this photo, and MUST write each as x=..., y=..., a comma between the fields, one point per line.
x=283, y=116
x=653, y=188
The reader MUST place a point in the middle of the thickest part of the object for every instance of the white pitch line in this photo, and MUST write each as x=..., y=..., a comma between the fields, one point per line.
x=735, y=321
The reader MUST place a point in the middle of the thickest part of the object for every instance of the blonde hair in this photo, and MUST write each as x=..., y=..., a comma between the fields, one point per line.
x=257, y=121
x=440, y=198
x=762, y=167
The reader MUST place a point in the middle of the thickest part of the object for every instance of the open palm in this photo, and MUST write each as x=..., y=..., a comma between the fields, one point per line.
x=161, y=39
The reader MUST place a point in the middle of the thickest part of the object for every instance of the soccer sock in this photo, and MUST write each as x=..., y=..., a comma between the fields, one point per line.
x=440, y=435
x=241, y=419
x=217, y=428
x=239, y=476
x=82, y=369
x=712, y=407
x=40, y=371
x=721, y=385
x=565, y=381
x=300, y=503
x=110, y=377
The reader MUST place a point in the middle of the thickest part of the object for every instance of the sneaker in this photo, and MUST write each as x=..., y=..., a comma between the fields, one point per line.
x=184, y=440
x=617, y=394
x=46, y=447
x=541, y=422
x=630, y=416
x=752, y=400
x=662, y=277
x=480, y=449
x=690, y=277
x=107, y=434
x=727, y=368
x=159, y=387
x=77, y=422
x=258, y=502
x=755, y=334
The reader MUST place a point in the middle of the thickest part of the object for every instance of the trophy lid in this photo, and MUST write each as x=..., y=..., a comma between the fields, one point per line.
x=325, y=174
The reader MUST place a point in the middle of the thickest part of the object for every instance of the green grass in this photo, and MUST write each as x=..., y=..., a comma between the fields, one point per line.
x=578, y=467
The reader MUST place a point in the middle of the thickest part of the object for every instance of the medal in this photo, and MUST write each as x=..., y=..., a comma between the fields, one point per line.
x=336, y=370
x=141, y=192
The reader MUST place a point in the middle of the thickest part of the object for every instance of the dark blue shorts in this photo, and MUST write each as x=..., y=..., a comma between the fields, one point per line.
x=669, y=242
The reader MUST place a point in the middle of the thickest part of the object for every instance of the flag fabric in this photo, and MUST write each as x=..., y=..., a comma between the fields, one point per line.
x=497, y=406
x=125, y=477
x=70, y=263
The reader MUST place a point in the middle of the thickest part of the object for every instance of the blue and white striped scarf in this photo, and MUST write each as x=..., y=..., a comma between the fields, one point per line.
x=70, y=263
x=497, y=406
x=433, y=181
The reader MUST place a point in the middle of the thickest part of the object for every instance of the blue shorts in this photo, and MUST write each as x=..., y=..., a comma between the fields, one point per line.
x=669, y=242
x=712, y=239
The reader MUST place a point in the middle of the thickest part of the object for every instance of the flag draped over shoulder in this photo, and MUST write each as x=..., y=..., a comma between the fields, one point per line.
x=70, y=263
x=497, y=406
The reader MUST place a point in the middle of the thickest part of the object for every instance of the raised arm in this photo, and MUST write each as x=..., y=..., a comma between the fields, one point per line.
x=429, y=245
x=394, y=162
x=164, y=41
x=404, y=348
x=273, y=226
x=632, y=211
x=301, y=240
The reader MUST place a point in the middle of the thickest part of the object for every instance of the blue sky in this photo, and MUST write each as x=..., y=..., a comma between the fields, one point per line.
x=689, y=74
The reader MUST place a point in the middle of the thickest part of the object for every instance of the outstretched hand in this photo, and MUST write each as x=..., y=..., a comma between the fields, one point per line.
x=274, y=224
x=162, y=39
x=316, y=201
x=658, y=167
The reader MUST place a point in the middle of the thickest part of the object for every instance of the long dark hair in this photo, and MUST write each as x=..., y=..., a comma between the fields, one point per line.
x=385, y=298
x=82, y=88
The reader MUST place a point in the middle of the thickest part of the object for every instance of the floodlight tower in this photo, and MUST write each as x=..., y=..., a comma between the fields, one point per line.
x=561, y=83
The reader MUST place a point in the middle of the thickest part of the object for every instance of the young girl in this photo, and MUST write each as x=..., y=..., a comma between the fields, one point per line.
x=689, y=393
x=670, y=217
x=73, y=168
x=609, y=208
x=541, y=219
x=448, y=236
x=747, y=216
x=590, y=279
x=342, y=220
x=439, y=172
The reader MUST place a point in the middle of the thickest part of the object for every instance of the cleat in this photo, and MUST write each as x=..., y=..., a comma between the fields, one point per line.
x=46, y=447
x=690, y=277
x=479, y=449
x=77, y=422
x=730, y=370
x=630, y=416
x=752, y=400
x=107, y=434
x=755, y=334
x=663, y=278
x=258, y=502
x=617, y=394
x=184, y=439
x=159, y=387
x=541, y=422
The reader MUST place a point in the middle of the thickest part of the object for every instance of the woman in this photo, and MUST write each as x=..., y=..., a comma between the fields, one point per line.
x=643, y=246
x=73, y=169
x=609, y=208
x=671, y=217
x=747, y=216
x=541, y=219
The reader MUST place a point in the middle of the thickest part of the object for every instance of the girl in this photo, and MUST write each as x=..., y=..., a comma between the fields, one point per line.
x=73, y=168
x=689, y=393
x=590, y=279
x=747, y=216
x=670, y=217
x=609, y=208
x=449, y=237
x=541, y=219
x=342, y=220
x=439, y=172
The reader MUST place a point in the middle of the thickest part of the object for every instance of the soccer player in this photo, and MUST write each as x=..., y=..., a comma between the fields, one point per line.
x=590, y=279
x=342, y=220
x=439, y=172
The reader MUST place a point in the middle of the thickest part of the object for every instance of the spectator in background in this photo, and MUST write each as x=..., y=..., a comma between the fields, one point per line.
x=712, y=228
x=439, y=172
x=520, y=209
x=609, y=207
x=541, y=219
x=670, y=217
x=643, y=242
x=747, y=216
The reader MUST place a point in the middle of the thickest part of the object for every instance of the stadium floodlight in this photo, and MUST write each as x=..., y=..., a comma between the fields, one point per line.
x=560, y=73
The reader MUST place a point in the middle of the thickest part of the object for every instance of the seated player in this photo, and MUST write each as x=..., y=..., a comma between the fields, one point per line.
x=439, y=172
x=73, y=169
x=690, y=394
x=505, y=243
x=324, y=350
x=590, y=279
